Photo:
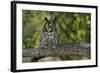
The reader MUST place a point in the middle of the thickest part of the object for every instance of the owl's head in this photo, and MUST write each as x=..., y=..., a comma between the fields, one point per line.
x=50, y=24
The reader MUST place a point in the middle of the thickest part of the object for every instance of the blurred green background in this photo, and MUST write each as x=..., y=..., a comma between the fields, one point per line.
x=71, y=27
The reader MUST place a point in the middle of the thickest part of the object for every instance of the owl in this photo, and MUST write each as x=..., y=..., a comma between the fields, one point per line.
x=49, y=34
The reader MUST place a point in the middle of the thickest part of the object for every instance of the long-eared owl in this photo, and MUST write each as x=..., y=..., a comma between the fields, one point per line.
x=49, y=34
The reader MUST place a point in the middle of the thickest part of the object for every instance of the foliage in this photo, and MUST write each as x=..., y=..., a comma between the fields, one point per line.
x=71, y=27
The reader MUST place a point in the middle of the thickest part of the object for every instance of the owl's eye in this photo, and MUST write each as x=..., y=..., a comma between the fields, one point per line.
x=48, y=22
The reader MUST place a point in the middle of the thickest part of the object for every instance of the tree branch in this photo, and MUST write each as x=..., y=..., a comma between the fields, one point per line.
x=33, y=53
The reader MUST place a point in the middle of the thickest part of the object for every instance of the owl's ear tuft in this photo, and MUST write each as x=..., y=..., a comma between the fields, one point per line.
x=46, y=19
x=54, y=19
